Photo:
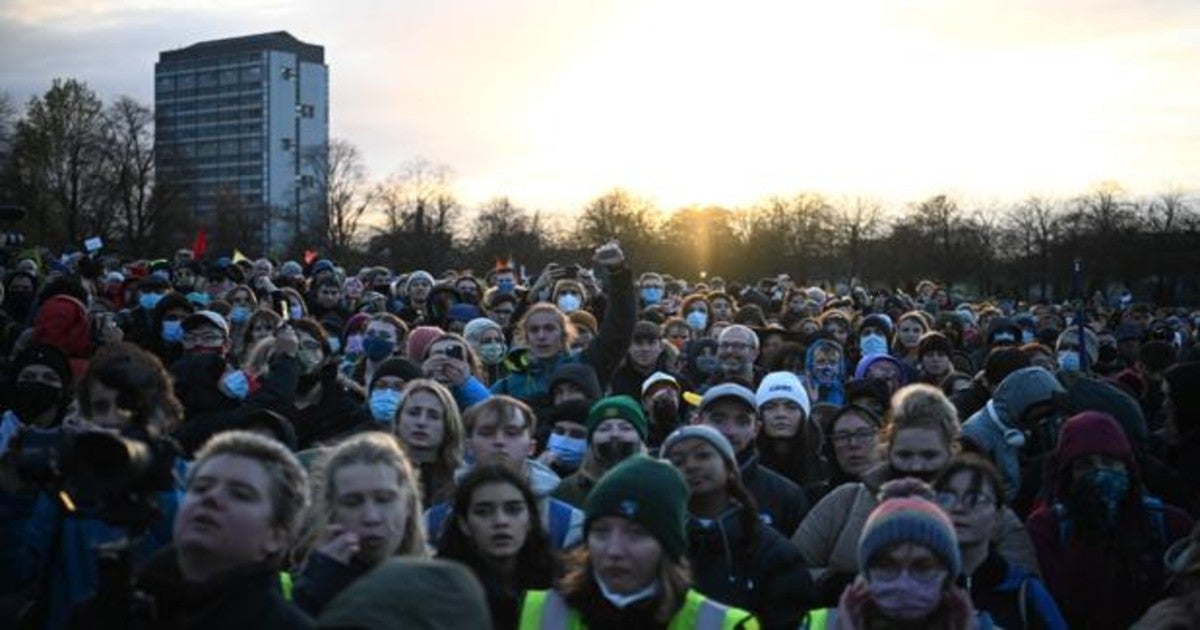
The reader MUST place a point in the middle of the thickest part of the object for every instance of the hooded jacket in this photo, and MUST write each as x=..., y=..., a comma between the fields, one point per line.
x=62, y=322
x=768, y=579
x=529, y=378
x=1109, y=580
x=989, y=429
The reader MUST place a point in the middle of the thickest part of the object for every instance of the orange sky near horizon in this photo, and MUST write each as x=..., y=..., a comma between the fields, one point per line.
x=553, y=103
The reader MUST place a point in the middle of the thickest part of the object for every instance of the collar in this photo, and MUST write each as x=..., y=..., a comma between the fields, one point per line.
x=625, y=601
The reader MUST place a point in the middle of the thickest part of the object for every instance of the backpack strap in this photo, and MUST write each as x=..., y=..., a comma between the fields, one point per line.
x=1154, y=508
x=1063, y=518
x=1023, y=602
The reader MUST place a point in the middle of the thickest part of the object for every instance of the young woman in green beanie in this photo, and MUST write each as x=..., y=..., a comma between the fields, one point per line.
x=631, y=572
x=735, y=557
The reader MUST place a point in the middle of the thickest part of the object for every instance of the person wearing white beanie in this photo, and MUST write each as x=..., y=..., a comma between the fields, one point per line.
x=790, y=442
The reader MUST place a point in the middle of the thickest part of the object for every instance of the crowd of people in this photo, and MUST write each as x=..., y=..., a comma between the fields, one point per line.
x=218, y=443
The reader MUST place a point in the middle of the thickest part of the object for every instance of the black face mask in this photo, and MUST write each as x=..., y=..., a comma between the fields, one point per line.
x=1108, y=354
x=31, y=400
x=307, y=382
x=612, y=453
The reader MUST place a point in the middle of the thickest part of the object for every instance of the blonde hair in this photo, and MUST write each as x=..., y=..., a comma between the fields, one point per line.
x=289, y=482
x=520, y=337
x=450, y=452
x=497, y=409
x=921, y=406
x=371, y=448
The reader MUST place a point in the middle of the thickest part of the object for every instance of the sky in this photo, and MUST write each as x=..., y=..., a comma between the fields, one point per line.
x=554, y=102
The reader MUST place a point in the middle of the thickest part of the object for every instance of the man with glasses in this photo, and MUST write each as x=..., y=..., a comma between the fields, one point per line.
x=737, y=349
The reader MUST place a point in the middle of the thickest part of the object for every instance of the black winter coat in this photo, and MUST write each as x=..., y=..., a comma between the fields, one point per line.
x=781, y=503
x=768, y=577
x=249, y=597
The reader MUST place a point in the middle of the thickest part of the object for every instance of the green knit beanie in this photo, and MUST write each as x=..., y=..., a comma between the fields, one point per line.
x=622, y=407
x=648, y=492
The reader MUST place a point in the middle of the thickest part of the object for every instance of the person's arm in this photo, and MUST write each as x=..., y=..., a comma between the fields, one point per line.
x=616, y=329
x=322, y=578
x=470, y=393
x=818, y=532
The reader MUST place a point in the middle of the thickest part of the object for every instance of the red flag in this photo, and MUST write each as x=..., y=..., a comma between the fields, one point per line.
x=309, y=256
x=200, y=245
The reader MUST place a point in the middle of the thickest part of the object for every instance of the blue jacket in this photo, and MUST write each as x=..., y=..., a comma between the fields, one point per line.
x=1014, y=597
x=69, y=559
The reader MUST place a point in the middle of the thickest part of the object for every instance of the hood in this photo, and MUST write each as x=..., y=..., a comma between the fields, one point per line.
x=410, y=593
x=62, y=322
x=1089, y=433
x=1021, y=390
x=866, y=362
x=169, y=301
x=542, y=480
x=1089, y=394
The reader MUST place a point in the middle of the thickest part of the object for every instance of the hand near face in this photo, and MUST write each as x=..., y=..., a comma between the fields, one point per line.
x=341, y=545
x=447, y=370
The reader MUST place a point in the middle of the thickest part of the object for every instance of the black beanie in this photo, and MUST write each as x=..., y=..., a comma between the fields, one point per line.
x=47, y=355
x=580, y=375
x=396, y=366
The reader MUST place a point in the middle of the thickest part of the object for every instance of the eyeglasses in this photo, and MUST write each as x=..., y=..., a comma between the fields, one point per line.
x=925, y=573
x=968, y=500
x=846, y=437
x=734, y=345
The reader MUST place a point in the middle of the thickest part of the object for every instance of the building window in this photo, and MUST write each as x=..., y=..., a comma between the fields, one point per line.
x=306, y=111
x=286, y=144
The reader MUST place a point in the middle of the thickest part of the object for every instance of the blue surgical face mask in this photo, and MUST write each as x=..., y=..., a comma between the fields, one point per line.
x=1026, y=336
x=1068, y=361
x=149, y=300
x=492, y=353
x=239, y=315
x=569, y=302
x=237, y=384
x=335, y=345
x=873, y=344
x=697, y=320
x=384, y=403
x=707, y=364
x=296, y=311
x=568, y=450
x=652, y=295
x=1111, y=485
x=506, y=285
x=172, y=331
x=378, y=348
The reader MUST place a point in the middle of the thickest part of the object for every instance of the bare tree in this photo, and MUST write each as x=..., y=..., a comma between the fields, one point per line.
x=57, y=153
x=856, y=221
x=1168, y=212
x=128, y=171
x=341, y=194
x=418, y=198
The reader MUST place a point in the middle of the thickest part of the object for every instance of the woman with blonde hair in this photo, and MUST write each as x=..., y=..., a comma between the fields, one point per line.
x=919, y=439
x=368, y=504
x=430, y=429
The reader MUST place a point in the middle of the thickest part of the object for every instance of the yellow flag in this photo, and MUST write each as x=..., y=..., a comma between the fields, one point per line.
x=238, y=257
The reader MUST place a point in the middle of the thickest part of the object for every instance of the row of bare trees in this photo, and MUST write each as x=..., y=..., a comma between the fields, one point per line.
x=87, y=169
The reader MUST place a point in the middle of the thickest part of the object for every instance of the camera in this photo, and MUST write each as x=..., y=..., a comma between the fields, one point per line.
x=103, y=475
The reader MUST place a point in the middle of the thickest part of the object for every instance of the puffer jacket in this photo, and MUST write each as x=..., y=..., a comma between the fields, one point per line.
x=781, y=503
x=828, y=536
x=62, y=322
x=768, y=579
x=1002, y=414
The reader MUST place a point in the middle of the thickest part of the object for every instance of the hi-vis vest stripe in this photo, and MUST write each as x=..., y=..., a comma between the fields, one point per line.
x=546, y=610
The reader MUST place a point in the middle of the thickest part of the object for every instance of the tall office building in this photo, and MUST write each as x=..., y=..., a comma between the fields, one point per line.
x=239, y=124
